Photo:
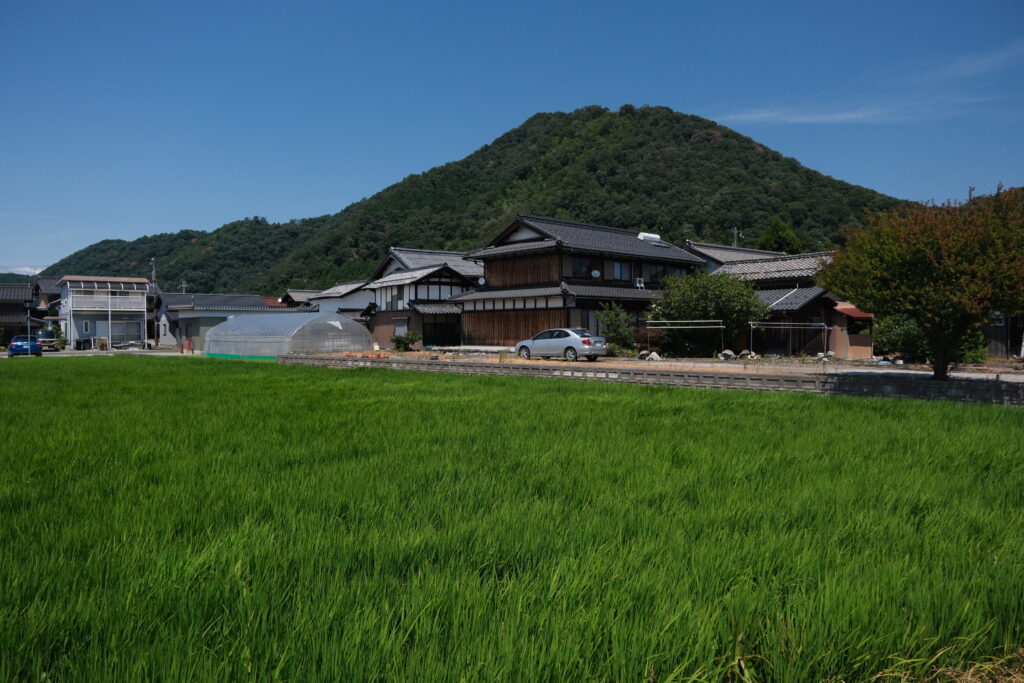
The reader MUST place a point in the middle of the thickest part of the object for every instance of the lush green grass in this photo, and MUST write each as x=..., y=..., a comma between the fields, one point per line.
x=193, y=519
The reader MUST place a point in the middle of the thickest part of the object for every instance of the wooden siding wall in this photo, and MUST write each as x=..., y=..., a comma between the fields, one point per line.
x=382, y=326
x=524, y=270
x=504, y=328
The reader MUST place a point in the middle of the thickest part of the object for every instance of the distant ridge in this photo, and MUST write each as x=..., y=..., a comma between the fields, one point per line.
x=642, y=168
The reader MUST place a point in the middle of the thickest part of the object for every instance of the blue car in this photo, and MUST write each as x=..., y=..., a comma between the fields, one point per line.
x=23, y=345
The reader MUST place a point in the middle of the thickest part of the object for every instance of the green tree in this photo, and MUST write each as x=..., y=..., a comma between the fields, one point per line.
x=704, y=296
x=617, y=326
x=947, y=268
x=900, y=335
x=779, y=236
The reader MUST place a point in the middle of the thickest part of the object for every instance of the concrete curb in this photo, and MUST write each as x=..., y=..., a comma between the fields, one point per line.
x=848, y=384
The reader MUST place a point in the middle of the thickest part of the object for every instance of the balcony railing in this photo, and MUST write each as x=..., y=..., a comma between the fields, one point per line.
x=113, y=303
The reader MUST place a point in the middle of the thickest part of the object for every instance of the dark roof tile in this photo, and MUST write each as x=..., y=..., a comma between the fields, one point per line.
x=584, y=237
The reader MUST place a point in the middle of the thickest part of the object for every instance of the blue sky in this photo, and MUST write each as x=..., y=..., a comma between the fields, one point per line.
x=121, y=119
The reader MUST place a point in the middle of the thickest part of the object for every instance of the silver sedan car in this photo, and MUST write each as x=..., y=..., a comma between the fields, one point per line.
x=566, y=342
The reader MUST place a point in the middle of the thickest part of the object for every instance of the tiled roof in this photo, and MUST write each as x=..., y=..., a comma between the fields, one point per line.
x=507, y=293
x=404, y=277
x=301, y=295
x=436, y=309
x=338, y=290
x=516, y=248
x=18, y=293
x=778, y=268
x=48, y=284
x=580, y=291
x=420, y=258
x=214, y=301
x=789, y=299
x=585, y=237
x=15, y=320
x=725, y=254
x=602, y=292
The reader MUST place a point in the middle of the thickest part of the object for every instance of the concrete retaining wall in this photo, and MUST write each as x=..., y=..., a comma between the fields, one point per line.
x=851, y=384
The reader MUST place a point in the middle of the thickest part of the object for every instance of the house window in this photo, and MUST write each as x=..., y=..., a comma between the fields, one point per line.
x=653, y=272
x=85, y=326
x=622, y=270
x=583, y=266
x=401, y=326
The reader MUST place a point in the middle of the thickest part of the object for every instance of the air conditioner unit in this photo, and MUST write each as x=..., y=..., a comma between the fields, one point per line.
x=638, y=282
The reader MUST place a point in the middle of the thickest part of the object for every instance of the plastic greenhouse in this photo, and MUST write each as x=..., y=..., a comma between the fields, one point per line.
x=268, y=335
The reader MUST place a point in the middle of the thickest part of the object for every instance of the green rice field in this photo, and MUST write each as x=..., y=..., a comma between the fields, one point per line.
x=196, y=519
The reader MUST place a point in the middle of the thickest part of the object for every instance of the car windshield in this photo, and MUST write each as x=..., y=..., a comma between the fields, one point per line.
x=22, y=338
x=46, y=334
x=581, y=333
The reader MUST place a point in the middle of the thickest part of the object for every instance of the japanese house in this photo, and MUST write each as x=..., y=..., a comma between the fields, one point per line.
x=416, y=301
x=297, y=297
x=17, y=315
x=805, y=319
x=350, y=298
x=410, y=290
x=545, y=272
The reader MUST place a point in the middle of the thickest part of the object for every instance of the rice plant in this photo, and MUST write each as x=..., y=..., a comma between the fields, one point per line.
x=200, y=519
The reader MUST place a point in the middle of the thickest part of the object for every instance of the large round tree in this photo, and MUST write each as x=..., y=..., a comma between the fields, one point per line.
x=948, y=268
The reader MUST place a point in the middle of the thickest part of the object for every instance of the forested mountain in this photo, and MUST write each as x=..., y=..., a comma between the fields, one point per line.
x=646, y=168
x=14, y=278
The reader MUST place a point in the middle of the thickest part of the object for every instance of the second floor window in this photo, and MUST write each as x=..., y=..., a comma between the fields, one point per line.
x=584, y=266
x=622, y=270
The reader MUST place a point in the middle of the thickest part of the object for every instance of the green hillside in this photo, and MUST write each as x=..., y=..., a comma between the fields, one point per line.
x=14, y=278
x=646, y=168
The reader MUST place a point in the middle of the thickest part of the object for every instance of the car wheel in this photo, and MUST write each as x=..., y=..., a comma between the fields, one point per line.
x=570, y=354
x=524, y=353
x=591, y=358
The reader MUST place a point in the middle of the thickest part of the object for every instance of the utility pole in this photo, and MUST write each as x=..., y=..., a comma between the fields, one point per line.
x=152, y=262
x=183, y=285
x=735, y=236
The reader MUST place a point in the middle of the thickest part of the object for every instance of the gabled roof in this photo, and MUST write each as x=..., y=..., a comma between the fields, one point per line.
x=779, y=267
x=178, y=301
x=721, y=253
x=18, y=293
x=582, y=237
x=300, y=296
x=339, y=290
x=790, y=299
x=405, y=277
x=48, y=284
x=411, y=259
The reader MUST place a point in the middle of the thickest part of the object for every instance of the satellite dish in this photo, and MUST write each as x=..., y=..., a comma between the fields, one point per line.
x=595, y=273
x=481, y=281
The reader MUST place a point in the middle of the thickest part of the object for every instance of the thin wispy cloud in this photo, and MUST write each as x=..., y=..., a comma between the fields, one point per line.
x=978, y=64
x=22, y=270
x=889, y=111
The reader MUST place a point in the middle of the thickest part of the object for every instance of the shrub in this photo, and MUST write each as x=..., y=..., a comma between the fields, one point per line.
x=617, y=325
x=404, y=342
x=900, y=335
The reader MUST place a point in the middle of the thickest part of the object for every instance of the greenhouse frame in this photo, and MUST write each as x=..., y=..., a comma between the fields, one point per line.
x=269, y=335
